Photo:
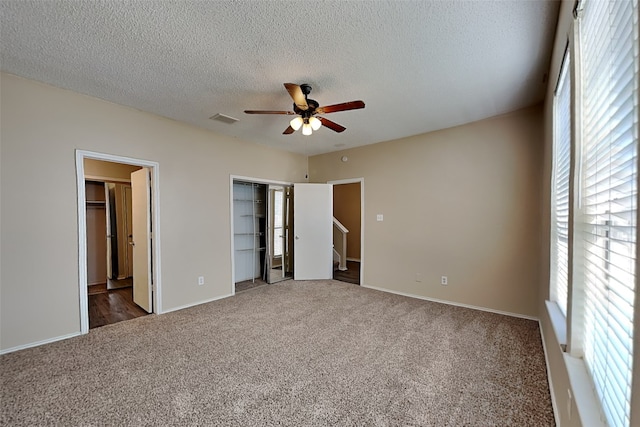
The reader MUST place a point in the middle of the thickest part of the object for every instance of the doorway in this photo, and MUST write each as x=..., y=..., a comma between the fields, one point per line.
x=348, y=213
x=109, y=245
x=118, y=238
x=262, y=233
x=306, y=233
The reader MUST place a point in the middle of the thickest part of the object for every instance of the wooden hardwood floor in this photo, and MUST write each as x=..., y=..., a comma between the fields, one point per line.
x=350, y=275
x=112, y=306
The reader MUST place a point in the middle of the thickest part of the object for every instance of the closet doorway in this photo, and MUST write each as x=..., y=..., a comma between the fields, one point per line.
x=117, y=211
x=262, y=215
x=109, y=248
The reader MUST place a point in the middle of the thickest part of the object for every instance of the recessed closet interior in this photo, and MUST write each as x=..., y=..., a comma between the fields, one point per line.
x=262, y=232
x=109, y=215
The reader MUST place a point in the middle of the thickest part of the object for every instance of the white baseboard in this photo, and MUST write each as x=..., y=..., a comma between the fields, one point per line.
x=39, y=343
x=75, y=334
x=182, y=307
x=457, y=304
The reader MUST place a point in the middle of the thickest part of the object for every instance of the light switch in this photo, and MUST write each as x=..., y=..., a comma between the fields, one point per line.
x=379, y=217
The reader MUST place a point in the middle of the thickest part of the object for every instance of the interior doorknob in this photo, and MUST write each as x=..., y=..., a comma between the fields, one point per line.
x=132, y=243
x=297, y=238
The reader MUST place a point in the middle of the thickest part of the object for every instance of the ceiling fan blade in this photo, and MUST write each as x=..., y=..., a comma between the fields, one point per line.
x=297, y=95
x=331, y=125
x=353, y=105
x=288, y=113
x=288, y=131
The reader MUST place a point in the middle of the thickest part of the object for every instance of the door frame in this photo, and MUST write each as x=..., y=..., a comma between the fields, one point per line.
x=232, y=239
x=362, y=216
x=82, y=228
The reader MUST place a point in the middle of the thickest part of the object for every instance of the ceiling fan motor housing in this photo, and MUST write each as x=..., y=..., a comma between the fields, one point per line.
x=312, y=103
x=305, y=88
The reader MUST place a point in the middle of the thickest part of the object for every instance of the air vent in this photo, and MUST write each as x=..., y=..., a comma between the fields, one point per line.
x=224, y=118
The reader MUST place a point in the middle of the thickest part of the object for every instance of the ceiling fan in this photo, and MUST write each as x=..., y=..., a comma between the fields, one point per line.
x=306, y=109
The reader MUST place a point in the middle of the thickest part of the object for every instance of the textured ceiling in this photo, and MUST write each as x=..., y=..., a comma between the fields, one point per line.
x=418, y=65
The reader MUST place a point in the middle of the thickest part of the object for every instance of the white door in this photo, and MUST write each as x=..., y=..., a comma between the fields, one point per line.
x=313, y=231
x=128, y=260
x=141, y=241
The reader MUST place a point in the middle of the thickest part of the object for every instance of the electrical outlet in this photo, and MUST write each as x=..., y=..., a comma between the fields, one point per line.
x=418, y=277
x=201, y=280
x=379, y=217
x=444, y=281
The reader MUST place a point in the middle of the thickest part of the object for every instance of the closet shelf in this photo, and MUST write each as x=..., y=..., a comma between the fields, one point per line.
x=249, y=230
x=96, y=202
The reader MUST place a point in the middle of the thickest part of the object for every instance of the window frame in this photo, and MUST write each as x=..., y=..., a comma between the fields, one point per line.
x=561, y=290
x=571, y=329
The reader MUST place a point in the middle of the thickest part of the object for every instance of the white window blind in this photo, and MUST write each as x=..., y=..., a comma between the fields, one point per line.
x=608, y=201
x=560, y=188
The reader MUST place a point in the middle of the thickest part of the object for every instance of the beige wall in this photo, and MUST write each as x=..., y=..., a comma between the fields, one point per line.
x=108, y=171
x=346, y=208
x=462, y=202
x=41, y=127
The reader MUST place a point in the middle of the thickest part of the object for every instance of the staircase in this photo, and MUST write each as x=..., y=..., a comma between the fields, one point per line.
x=339, y=245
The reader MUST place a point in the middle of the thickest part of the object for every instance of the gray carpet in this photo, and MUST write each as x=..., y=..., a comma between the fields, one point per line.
x=296, y=354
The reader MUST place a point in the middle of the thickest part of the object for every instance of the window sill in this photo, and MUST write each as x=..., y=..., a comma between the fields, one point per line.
x=559, y=323
x=582, y=393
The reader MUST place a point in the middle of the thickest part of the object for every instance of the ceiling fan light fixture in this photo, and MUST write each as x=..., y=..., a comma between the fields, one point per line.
x=296, y=123
x=306, y=108
x=306, y=129
x=315, y=123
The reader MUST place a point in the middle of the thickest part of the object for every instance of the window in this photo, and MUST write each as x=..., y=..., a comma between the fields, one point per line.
x=605, y=224
x=560, y=188
x=598, y=96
